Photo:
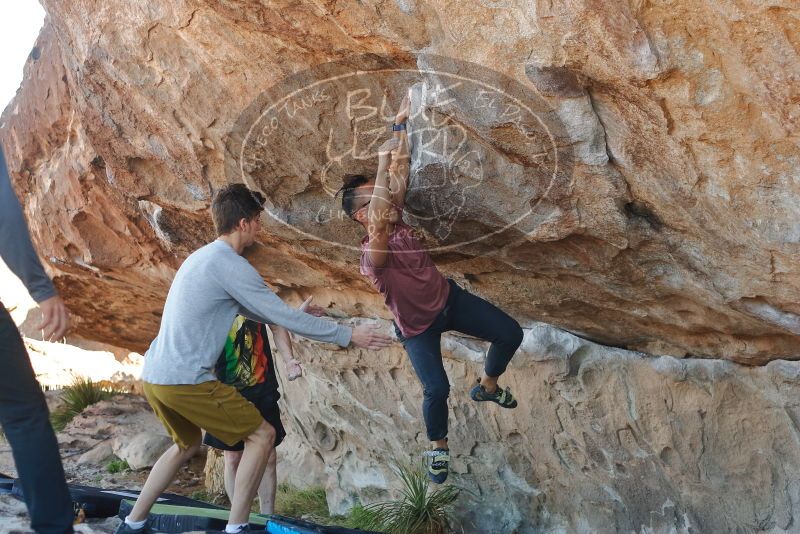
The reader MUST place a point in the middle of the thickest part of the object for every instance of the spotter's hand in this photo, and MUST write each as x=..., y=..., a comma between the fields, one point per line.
x=55, y=318
x=313, y=309
x=294, y=369
x=369, y=336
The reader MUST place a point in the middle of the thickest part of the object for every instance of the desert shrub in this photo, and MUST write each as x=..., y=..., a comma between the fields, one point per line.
x=117, y=466
x=419, y=510
x=310, y=503
x=75, y=398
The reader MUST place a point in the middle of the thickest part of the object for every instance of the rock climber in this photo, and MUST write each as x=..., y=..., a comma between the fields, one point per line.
x=424, y=303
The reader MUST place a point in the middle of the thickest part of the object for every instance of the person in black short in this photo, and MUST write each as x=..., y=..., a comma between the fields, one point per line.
x=247, y=364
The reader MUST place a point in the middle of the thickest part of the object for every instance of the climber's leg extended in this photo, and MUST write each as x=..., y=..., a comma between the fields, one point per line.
x=425, y=352
x=474, y=316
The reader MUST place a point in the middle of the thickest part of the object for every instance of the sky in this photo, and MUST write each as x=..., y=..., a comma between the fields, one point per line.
x=20, y=22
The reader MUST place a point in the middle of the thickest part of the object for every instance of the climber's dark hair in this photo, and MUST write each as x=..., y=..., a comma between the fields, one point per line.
x=348, y=191
x=233, y=203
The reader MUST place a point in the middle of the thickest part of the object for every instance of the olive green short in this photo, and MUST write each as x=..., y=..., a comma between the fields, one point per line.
x=213, y=406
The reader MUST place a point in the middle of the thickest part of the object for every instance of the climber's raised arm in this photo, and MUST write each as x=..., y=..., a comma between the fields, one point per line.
x=401, y=158
x=378, y=204
x=380, y=212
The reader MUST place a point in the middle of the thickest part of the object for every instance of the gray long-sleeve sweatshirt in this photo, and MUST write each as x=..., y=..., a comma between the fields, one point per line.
x=210, y=288
x=16, y=248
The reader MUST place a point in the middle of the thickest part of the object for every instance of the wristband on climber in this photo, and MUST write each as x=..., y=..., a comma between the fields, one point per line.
x=398, y=127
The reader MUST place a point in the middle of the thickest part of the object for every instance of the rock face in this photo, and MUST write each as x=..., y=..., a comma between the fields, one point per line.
x=603, y=440
x=625, y=172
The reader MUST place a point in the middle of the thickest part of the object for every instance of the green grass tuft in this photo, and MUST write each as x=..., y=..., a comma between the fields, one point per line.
x=359, y=518
x=75, y=398
x=117, y=466
x=201, y=495
x=310, y=503
x=420, y=510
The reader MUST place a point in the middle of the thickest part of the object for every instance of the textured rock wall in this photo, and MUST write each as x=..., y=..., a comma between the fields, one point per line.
x=672, y=227
x=603, y=440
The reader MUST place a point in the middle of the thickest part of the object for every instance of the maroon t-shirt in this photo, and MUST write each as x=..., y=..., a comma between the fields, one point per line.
x=410, y=283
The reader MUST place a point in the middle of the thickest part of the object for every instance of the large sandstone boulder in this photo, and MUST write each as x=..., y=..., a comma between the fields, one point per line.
x=623, y=171
x=670, y=226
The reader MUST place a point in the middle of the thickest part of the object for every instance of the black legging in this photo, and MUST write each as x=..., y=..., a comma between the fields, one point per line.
x=26, y=423
x=468, y=314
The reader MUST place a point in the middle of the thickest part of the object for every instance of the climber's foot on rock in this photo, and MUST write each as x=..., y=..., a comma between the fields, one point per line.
x=437, y=464
x=500, y=396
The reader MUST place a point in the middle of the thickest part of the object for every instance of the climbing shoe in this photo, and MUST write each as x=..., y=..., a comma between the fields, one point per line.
x=438, y=464
x=242, y=530
x=501, y=396
x=125, y=528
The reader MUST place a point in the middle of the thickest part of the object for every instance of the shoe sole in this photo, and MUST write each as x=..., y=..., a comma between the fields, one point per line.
x=509, y=407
